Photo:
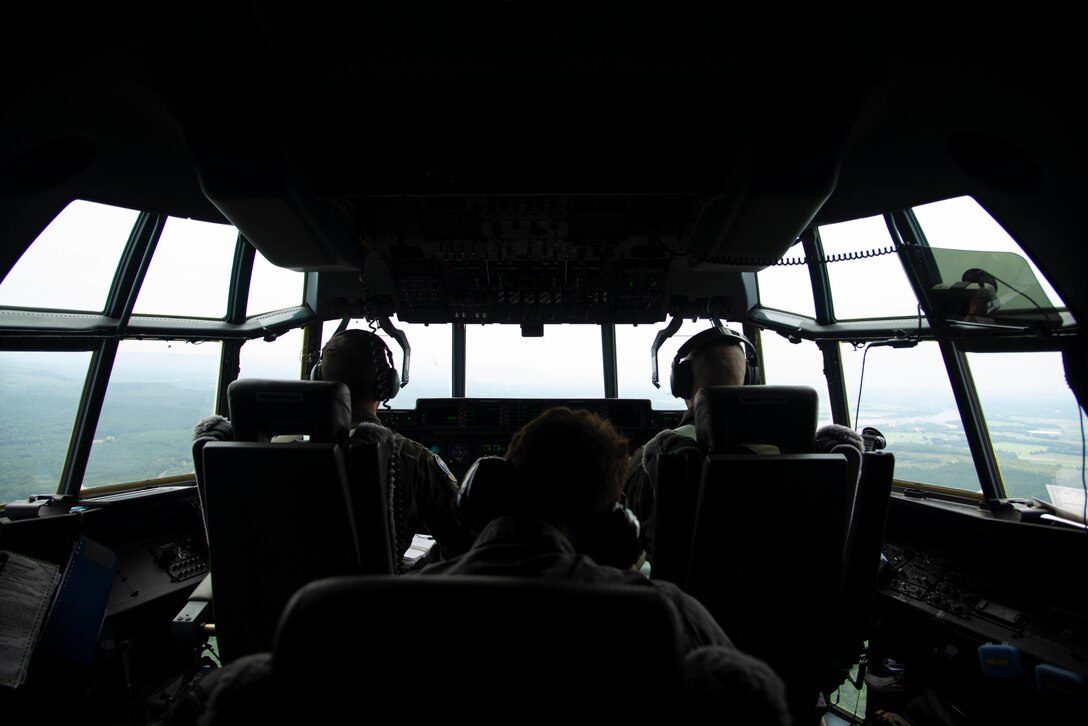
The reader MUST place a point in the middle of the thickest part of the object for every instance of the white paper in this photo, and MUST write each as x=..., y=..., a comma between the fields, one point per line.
x=26, y=589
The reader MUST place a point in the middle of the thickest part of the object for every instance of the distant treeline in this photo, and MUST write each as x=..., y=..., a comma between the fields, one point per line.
x=145, y=431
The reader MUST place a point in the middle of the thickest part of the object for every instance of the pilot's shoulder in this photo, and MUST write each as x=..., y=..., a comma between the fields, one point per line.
x=425, y=456
x=442, y=466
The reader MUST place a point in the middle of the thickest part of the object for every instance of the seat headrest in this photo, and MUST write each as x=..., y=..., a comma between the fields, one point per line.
x=727, y=417
x=511, y=637
x=262, y=408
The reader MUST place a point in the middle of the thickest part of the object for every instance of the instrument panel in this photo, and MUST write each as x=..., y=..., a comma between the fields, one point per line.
x=985, y=611
x=461, y=430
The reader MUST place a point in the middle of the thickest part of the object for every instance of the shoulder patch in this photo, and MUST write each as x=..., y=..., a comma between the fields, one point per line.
x=444, y=468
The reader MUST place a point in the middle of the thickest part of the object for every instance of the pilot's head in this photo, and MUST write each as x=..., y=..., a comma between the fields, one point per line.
x=573, y=461
x=983, y=300
x=570, y=467
x=362, y=361
x=565, y=467
x=715, y=357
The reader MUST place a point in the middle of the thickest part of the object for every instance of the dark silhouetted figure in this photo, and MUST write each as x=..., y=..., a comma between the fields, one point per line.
x=423, y=491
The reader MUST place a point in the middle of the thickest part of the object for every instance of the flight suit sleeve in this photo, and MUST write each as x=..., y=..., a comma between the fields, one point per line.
x=639, y=497
x=640, y=487
x=436, y=505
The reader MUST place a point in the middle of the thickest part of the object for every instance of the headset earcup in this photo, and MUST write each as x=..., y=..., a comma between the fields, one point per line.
x=612, y=538
x=388, y=383
x=680, y=380
x=315, y=372
x=490, y=488
x=386, y=380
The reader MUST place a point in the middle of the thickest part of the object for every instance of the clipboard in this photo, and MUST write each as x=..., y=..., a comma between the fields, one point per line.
x=79, y=608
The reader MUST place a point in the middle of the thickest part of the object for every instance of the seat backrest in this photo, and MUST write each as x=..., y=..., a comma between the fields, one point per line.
x=864, y=547
x=767, y=557
x=262, y=408
x=368, y=456
x=675, y=503
x=728, y=420
x=281, y=514
x=475, y=646
x=277, y=519
x=212, y=428
x=769, y=529
x=729, y=417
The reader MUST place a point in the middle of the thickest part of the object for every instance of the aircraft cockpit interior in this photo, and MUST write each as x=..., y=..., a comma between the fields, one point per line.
x=525, y=205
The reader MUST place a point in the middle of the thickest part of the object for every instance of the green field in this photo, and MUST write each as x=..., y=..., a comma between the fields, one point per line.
x=144, y=432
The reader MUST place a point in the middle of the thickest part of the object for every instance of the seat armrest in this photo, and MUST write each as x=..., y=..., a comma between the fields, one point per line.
x=190, y=622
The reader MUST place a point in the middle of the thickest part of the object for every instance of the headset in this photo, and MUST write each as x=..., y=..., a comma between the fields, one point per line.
x=386, y=380
x=974, y=294
x=873, y=439
x=681, y=379
x=493, y=487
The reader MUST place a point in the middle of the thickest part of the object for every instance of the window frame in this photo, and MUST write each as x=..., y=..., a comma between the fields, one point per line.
x=45, y=330
x=100, y=334
x=829, y=333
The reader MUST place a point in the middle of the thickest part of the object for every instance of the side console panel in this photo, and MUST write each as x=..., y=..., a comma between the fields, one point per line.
x=983, y=612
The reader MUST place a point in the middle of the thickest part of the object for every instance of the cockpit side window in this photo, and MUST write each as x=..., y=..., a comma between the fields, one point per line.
x=1035, y=425
x=152, y=373
x=866, y=276
x=190, y=272
x=273, y=288
x=920, y=392
x=906, y=395
x=72, y=263
x=787, y=287
x=157, y=391
x=961, y=224
x=39, y=398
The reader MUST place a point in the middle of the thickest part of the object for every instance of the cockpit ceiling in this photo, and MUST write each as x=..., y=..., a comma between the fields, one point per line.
x=606, y=131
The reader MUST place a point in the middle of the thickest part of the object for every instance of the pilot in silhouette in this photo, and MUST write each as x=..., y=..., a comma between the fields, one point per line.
x=423, y=493
x=551, y=509
x=714, y=357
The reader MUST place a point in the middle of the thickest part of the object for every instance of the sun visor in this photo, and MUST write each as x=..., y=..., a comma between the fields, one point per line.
x=982, y=288
x=752, y=229
x=264, y=190
x=299, y=233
